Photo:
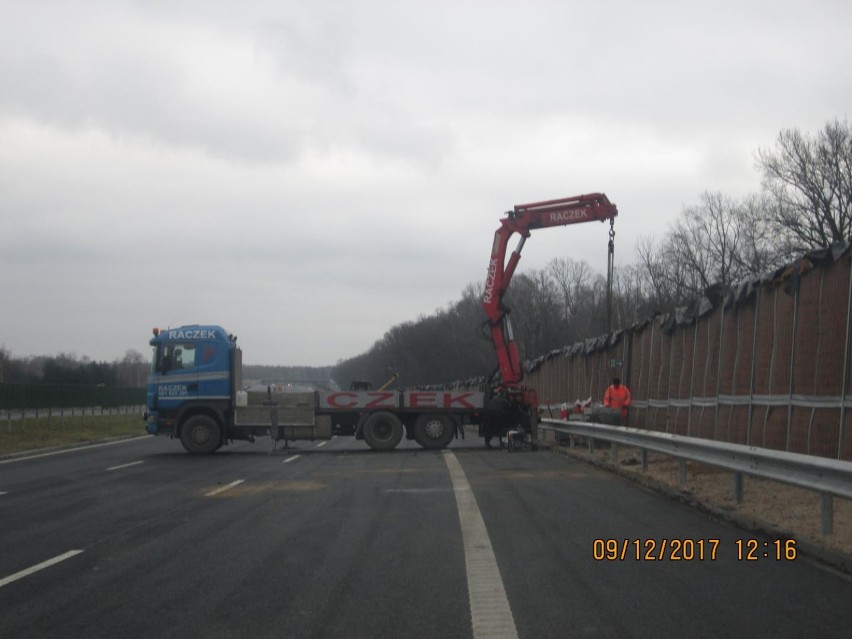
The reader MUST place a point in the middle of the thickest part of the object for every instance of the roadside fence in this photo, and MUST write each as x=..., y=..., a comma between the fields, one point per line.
x=50, y=418
x=765, y=363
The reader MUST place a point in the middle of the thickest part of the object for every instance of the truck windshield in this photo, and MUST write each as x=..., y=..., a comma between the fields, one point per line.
x=175, y=357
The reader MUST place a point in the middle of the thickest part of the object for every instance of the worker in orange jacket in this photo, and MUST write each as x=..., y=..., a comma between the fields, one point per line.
x=617, y=396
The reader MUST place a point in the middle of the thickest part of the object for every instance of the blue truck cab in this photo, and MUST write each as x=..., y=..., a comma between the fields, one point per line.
x=191, y=385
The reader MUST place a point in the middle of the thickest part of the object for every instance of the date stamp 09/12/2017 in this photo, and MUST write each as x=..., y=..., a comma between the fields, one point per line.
x=683, y=549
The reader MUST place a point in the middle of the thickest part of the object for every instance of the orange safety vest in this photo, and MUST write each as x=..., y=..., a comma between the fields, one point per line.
x=617, y=397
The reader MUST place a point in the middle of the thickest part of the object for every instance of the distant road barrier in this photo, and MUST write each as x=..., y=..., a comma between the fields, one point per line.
x=50, y=415
x=829, y=477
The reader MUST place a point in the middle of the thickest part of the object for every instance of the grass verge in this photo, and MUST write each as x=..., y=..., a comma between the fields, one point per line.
x=29, y=434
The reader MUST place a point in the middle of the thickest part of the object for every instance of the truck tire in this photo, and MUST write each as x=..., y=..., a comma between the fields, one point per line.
x=434, y=431
x=201, y=435
x=382, y=431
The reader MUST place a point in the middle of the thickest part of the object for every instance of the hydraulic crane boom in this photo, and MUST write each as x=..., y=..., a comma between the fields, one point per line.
x=523, y=219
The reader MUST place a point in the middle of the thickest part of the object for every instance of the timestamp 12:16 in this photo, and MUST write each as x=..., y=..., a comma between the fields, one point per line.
x=777, y=549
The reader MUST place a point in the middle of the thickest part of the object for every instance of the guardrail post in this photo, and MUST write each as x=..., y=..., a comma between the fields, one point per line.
x=738, y=488
x=591, y=446
x=754, y=349
x=792, y=385
x=681, y=475
x=843, y=391
x=613, y=452
x=719, y=370
x=827, y=513
x=644, y=460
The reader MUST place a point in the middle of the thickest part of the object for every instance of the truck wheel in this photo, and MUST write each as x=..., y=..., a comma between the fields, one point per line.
x=201, y=435
x=434, y=431
x=382, y=431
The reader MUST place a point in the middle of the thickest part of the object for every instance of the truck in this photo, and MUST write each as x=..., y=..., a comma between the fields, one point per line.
x=195, y=394
x=195, y=390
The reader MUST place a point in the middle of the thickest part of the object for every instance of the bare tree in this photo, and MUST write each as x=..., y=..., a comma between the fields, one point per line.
x=132, y=369
x=762, y=248
x=631, y=296
x=706, y=240
x=535, y=312
x=666, y=278
x=718, y=241
x=810, y=182
x=582, y=298
x=572, y=279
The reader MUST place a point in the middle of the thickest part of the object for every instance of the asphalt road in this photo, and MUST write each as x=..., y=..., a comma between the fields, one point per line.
x=139, y=539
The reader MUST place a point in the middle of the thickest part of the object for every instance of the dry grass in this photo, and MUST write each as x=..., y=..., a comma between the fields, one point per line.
x=29, y=434
x=767, y=505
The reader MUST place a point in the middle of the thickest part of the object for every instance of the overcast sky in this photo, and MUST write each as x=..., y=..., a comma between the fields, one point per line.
x=310, y=174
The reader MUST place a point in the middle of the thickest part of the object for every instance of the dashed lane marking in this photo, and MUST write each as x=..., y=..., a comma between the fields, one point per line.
x=415, y=490
x=34, y=569
x=222, y=489
x=289, y=459
x=136, y=463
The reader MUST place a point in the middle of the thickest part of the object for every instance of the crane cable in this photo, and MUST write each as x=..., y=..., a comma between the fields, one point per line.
x=609, y=274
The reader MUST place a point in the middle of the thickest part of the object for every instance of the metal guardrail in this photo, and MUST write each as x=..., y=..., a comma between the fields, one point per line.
x=46, y=415
x=799, y=401
x=829, y=477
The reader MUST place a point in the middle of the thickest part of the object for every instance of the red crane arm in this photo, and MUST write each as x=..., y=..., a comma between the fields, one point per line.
x=523, y=219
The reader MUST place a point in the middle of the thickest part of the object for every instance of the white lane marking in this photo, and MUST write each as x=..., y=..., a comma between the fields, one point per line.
x=416, y=490
x=136, y=463
x=321, y=444
x=289, y=459
x=3, y=492
x=37, y=567
x=490, y=613
x=76, y=449
x=222, y=489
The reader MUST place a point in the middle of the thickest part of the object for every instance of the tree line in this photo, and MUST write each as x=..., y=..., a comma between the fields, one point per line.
x=805, y=202
x=68, y=368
